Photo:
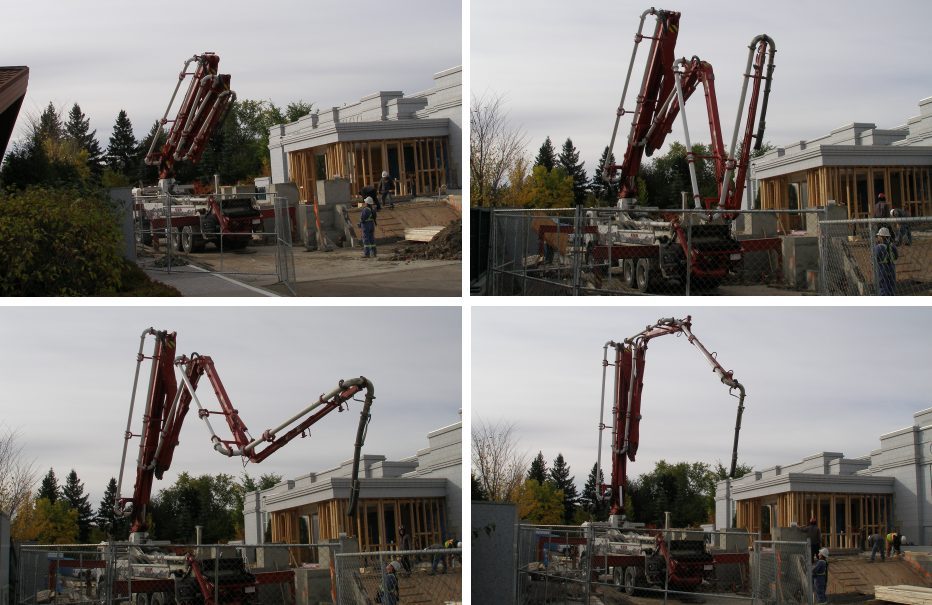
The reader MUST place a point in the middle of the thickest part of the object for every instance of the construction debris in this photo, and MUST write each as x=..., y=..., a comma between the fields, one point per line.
x=445, y=245
x=421, y=234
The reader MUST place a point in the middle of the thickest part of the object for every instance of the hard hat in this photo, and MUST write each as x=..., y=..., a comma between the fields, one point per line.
x=369, y=200
x=384, y=174
x=902, y=538
x=881, y=196
x=812, y=521
x=883, y=232
x=824, y=552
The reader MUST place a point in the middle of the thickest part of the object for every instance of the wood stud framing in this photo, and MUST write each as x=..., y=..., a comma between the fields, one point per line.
x=424, y=519
x=845, y=519
x=421, y=165
x=854, y=186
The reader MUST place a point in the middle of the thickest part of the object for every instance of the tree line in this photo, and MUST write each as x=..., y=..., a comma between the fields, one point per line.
x=63, y=514
x=549, y=496
x=61, y=151
x=501, y=174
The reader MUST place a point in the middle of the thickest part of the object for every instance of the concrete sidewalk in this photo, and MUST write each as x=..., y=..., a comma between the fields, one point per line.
x=194, y=281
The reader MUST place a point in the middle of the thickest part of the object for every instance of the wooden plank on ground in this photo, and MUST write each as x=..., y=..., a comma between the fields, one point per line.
x=422, y=234
x=907, y=595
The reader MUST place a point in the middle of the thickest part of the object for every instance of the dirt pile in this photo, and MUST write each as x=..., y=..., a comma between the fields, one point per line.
x=446, y=245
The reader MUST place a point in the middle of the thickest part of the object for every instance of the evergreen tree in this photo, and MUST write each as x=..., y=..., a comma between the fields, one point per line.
x=49, y=125
x=122, y=152
x=146, y=174
x=538, y=470
x=116, y=527
x=49, y=488
x=73, y=494
x=590, y=500
x=604, y=191
x=569, y=159
x=78, y=129
x=560, y=477
x=546, y=156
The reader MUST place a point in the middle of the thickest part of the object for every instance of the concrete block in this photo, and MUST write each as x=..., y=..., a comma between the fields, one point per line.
x=272, y=557
x=757, y=225
x=312, y=585
x=800, y=254
x=333, y=191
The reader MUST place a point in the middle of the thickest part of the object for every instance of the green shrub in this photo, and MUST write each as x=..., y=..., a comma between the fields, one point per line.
x=59, y=242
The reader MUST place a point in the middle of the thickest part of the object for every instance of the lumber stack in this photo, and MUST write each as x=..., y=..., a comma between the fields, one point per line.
x=421, y=234
x=908, y=595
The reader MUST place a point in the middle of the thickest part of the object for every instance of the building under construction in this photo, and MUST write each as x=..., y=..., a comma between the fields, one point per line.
x=850, y=498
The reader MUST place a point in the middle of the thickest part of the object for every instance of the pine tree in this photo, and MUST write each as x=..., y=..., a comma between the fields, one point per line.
x=117, y=528
x=73, y=494
x=78, y=129
x=604, y=191
x=560, y=477
x=144, y=173
x=48, y=126
x=49, y=488
x=569, y=159
x=122, y=150
x=538, y=470
x=590, y=500
x=546, y=156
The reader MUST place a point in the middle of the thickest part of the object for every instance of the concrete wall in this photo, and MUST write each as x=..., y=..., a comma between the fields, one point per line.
x=123, y=197
x=493, y=553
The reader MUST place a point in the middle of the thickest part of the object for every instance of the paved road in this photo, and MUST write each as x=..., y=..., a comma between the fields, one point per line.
x=420, y=281
x=193, y=281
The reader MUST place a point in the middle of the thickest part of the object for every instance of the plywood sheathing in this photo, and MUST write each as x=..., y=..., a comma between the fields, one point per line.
x=391, y=224
x=847, y=575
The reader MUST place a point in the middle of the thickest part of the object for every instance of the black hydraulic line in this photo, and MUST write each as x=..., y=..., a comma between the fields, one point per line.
x=364, y=417
x=734, y=449
x=759, y=137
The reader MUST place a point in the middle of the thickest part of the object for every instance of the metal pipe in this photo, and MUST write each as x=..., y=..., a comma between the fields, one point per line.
x=164, y=119
x=197, y=402
x=690, y=158
x=730, y=162
x=169, y=421
x=598, y=457
x=361, y=431
x=129, y=419
x=637, y=41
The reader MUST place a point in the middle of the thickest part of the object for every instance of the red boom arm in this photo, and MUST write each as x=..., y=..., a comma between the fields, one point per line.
x=167, y=405
x=629, y=382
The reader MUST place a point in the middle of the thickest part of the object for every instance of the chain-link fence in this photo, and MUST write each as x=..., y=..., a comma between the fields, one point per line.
x=430, y=576
x=597, y=563
x=856, y=262
x=228, y=235
x=613, y=251
x=782, y=572
x=164, y=574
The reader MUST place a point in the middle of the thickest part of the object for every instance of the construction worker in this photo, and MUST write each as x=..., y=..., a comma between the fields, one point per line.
x=875, y=541
x=404, y=542
x=370, y=191
x=815, y=537
x=885, y=256
x=386, y=188
x=904, y=235
x=820, y=576
x=888, y=542
x=388, y=592
x=367, y=224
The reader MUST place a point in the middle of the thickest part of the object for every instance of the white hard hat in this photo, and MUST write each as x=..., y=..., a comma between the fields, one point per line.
x=369, y=200
x=384, y=173
x=824, y=552
x=902, y=538
x=883, y=232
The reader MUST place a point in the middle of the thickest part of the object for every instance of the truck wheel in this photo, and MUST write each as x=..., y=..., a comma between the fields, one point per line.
x=618, y=578
x=176, y=239
x=643, y=275
x=142, y=234
x=141, y=599
x=631, y=580
x=628, y=272
x=188, y=245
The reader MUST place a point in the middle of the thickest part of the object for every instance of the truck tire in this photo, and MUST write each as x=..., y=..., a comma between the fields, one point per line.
x=643, y=275
x=176, y=239
x=141, y=598
x=618, y=578
x=191, y=241
x=142, y=233
x=631, y=580
x=627, y=266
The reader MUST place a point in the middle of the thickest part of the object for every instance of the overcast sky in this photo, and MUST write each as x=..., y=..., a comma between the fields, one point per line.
x=817, y=379
x=561, y=66
x=109, y=55
x=67, y=374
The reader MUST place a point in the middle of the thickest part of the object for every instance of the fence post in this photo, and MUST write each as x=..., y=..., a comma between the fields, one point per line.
x=689, y=263
x=872, y=233
x=823, y=252
x=590, y=541
x=577, y=245
x=525, y=228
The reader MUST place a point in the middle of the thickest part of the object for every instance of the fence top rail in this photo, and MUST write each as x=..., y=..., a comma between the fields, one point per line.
x=105, y=545
x=395, y=553
x=874, y=221
x=669, y=210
